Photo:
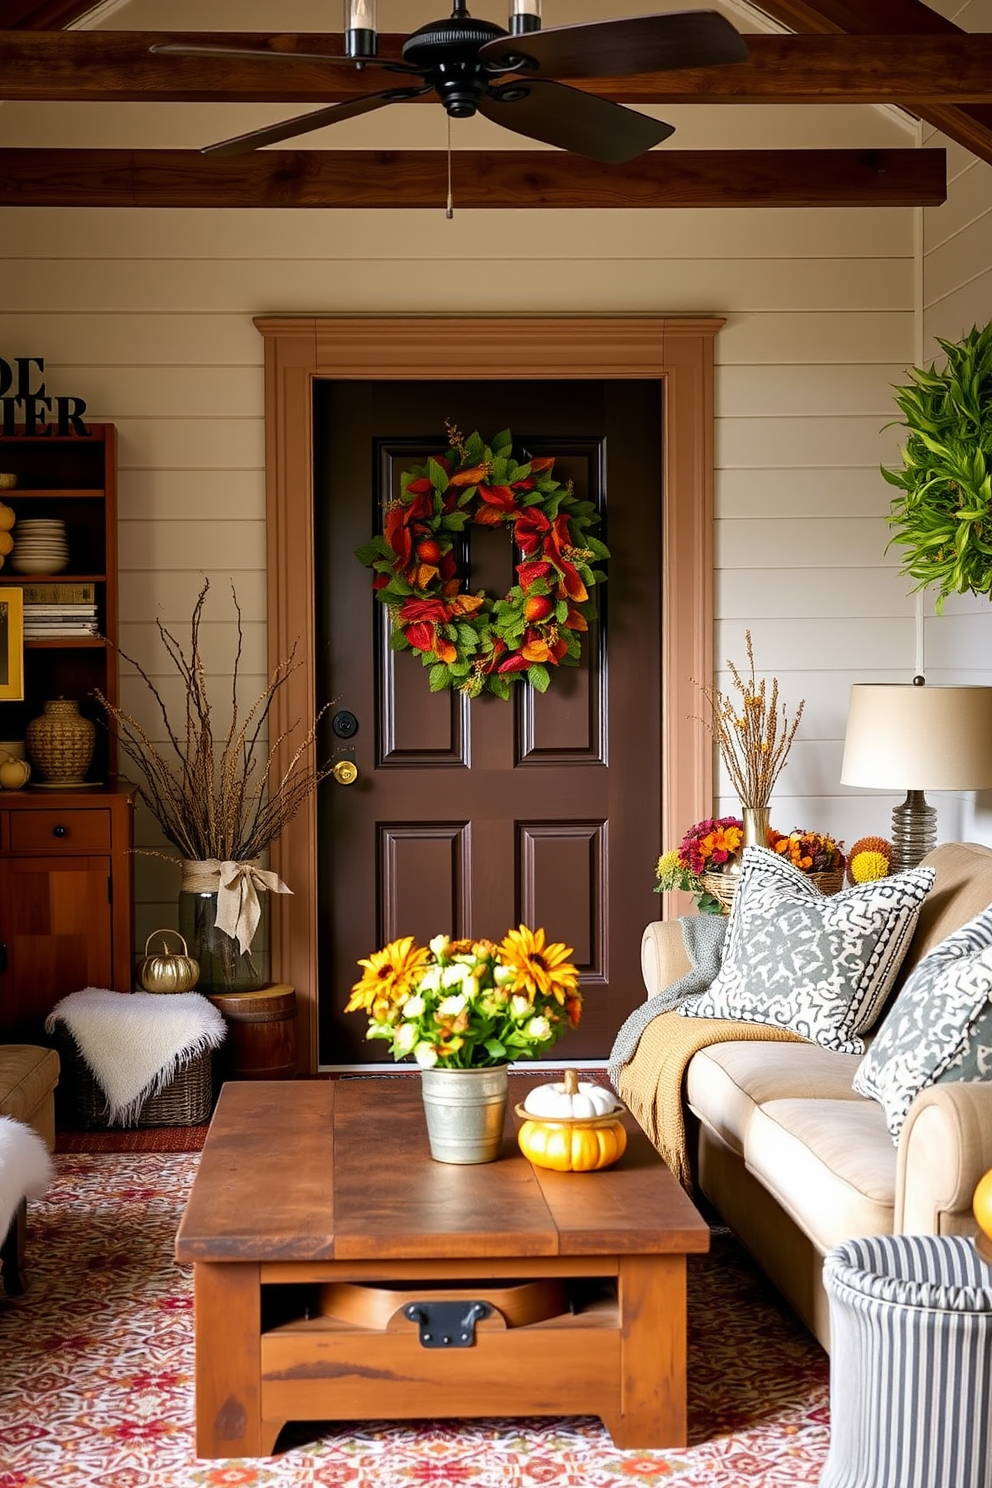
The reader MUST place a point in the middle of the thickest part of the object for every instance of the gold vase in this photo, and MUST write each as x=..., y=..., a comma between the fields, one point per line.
x=755, y=819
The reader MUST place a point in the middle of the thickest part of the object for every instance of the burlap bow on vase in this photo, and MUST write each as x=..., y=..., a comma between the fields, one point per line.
x=220, y=913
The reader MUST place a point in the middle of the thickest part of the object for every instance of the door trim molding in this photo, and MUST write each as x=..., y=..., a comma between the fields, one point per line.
x=675, y=350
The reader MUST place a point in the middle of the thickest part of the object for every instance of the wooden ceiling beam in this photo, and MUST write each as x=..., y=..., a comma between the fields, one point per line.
x=481, y=179
x=968, y=124
x=116, y=66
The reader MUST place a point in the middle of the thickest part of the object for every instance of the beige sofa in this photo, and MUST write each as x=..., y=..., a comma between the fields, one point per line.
x=791, y=1158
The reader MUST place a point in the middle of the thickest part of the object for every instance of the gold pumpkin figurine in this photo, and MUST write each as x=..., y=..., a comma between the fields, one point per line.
x=170, y=971
x=571, y=1127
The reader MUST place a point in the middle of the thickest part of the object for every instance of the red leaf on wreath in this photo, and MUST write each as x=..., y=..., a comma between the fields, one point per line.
x=500, y=496
x=545, y=462
x=529, y=573
x=420, y=486
x=515, y=663
x=529, y=530
x=576, y=621
x=571, y=585
x=466, y=604
x=421, y=635
x=558, y=649
x=426, y=574
x=444, y=650
x=424, y=609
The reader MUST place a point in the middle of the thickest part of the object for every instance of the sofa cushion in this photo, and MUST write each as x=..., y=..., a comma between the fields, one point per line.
x=820, y=966
x=28, y=1075
x=828, y=1163
x=962, y=888
x=726, y=1083
x=940, y=1026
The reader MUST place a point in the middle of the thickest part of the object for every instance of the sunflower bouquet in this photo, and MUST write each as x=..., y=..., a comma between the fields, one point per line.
x=462, y=1004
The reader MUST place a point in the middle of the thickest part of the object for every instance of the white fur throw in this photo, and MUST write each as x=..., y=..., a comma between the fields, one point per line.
x=134, y=1043
x=25, y=1168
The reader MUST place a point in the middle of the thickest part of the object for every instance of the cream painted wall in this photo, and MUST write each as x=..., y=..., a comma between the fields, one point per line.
x=956, y=294
x=149, y=316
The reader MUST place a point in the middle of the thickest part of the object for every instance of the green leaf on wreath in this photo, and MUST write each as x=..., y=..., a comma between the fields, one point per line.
x=398, y=640
x=438, y=475
x=561, y=611
x=500, y=686
x=439, y=677
x=454, y=521
x=474, y=447
x=538, y=677
x=502, y=442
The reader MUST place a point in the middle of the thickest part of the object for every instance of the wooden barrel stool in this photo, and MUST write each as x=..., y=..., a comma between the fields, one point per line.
x=261, y=1034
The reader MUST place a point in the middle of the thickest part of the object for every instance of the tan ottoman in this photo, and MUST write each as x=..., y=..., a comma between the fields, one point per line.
x=28, y=1077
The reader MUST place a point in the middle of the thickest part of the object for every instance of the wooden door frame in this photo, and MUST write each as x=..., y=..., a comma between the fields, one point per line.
x=675, y=350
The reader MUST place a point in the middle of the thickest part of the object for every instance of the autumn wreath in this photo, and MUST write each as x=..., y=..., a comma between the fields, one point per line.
x=472, y=642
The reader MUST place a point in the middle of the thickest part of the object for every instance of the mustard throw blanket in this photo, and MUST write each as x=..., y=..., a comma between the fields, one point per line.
x=650, y=1083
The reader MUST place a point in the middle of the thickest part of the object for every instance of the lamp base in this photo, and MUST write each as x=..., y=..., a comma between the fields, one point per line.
x=914, y=831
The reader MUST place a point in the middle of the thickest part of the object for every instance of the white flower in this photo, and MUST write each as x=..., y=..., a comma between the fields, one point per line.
x=439, y=945
x=538, y=1029
x=425, y=1055
x=431, y=980
x=414, y=1006
x=519, y=1006
x=503, y=974
x=453, y=976
x=405, y=1037
x=450, y=1007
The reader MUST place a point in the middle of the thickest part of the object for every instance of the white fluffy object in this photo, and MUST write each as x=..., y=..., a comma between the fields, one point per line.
x=135, y=1043
x=25, y=1168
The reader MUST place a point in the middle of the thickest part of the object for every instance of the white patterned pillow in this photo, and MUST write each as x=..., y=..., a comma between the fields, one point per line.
x=940, y=1026
x=819, y=965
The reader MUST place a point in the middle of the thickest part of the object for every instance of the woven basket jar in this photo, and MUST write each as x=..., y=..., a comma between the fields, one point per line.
x=61, y=742
x=723, y=886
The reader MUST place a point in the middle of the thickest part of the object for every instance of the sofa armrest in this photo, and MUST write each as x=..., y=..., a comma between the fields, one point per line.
x=944, y=1148
x=664, y=957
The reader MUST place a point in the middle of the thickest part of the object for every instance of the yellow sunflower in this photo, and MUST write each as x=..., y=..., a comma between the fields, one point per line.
x=537, y=967
x=389, y=976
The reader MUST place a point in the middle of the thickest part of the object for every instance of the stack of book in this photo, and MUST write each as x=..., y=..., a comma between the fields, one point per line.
x=55, y=612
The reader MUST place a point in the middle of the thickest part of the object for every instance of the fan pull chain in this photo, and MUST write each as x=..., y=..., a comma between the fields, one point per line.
x=449, y=210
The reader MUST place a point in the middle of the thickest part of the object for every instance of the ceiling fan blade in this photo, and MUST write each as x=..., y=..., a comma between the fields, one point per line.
x=189, y=49
x=581, y=122
x=304, y=123
x=652, y=43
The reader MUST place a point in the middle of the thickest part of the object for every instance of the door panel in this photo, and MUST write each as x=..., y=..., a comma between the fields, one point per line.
x=468, y=818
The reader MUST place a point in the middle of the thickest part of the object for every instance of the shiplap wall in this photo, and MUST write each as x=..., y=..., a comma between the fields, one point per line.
x=148, y=315
x=956, y=294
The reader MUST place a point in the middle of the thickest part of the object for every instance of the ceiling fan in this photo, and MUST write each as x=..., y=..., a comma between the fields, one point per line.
x=508, y=76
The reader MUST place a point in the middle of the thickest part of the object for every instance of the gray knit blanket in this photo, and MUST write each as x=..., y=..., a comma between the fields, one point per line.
x=702, y=936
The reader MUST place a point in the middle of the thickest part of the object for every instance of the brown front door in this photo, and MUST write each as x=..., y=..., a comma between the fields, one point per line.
x=471, y=817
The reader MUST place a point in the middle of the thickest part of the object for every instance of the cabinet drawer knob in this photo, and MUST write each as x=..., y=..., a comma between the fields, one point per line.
x=60, y=831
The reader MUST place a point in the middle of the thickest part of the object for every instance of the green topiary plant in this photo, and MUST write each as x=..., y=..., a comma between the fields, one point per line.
x=944, y=518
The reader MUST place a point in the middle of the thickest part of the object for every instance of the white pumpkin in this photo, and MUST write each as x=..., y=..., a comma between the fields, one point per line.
x=571, y=1099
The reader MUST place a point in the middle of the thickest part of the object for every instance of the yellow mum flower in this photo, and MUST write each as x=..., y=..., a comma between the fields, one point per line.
x=389, y=976
x=867, y=866
x=538, y=968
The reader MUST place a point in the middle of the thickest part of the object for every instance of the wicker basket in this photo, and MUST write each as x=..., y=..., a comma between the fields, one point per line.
x=723, y=886
x=187, y=1100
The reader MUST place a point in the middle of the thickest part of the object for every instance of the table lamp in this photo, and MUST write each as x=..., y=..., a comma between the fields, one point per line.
x=909, y=735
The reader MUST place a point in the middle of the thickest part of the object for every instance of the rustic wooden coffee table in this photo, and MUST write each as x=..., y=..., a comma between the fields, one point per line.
x=341, y=1274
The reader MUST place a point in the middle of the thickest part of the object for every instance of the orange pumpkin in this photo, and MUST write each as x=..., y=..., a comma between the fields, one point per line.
x=570, y=1144
x=982, y=1203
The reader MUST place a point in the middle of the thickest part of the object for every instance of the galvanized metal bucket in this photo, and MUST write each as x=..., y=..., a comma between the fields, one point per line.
x=465, y=1110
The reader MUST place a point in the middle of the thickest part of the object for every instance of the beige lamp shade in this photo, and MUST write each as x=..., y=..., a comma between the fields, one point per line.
x=902, y=736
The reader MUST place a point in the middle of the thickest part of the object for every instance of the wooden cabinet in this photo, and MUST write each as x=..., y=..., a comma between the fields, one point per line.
x=66, y=903
x=65, y=900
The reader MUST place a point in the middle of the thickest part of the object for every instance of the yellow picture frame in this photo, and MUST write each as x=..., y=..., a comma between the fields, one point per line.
x=11, y=645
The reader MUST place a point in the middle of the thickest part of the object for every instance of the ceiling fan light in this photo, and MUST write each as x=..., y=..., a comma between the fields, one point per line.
x=359, y=28
x=525, y=16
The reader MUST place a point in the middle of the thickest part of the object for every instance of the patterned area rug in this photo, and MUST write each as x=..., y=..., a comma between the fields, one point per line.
x=96, y=1383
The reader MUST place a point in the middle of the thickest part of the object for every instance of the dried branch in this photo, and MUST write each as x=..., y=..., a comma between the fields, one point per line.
x=754, y=742
x=217, y=800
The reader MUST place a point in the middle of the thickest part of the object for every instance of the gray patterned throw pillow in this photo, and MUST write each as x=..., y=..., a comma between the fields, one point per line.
x=798, y=959
x=940, y=1027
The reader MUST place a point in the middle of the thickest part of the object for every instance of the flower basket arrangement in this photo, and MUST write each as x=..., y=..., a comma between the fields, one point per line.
x=704, y=864
x=466, y=1004
x=817, y=854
